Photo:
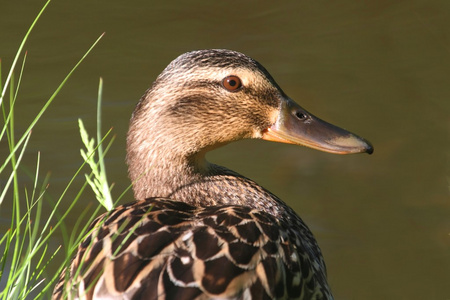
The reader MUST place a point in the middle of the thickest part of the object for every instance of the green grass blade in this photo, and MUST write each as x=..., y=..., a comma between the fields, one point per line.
x=22, y=44
x=49, y=101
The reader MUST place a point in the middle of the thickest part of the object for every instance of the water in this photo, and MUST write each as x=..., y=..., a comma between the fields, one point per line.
x=379, y=69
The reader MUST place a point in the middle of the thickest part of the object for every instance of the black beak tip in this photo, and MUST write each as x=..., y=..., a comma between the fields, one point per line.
x=369, y=148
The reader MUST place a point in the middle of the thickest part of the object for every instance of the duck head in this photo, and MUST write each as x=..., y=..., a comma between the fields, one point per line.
x=205, y=99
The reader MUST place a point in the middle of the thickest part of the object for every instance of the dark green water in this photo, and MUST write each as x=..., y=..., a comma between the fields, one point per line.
x=380, y=69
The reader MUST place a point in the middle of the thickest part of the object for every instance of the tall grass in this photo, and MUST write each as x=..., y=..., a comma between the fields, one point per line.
x=24, y=247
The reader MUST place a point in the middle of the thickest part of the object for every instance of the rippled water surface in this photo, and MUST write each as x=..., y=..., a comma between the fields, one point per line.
x=378, y=68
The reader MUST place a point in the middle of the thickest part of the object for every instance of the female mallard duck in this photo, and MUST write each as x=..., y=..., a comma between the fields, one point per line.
x=199, y=230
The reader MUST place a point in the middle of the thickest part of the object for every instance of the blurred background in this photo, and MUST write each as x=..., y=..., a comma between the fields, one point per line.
x=380, y=69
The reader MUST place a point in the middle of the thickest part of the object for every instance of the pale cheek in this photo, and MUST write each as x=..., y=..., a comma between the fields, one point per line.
x=257, y=134
x=272, y=117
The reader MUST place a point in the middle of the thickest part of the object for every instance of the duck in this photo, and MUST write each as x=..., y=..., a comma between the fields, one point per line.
x=197, y=230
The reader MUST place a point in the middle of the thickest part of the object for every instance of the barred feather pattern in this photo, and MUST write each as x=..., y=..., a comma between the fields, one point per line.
x=164, y=249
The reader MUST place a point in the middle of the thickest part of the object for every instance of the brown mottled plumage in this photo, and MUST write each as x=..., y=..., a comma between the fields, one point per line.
x=206, y=232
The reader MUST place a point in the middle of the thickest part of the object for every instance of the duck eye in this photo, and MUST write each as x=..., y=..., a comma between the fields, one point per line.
x=232, y=83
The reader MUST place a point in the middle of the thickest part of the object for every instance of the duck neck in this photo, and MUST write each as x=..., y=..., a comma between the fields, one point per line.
x=191, y=179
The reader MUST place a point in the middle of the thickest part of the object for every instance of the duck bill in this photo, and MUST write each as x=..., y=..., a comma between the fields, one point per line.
x=295, y=125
